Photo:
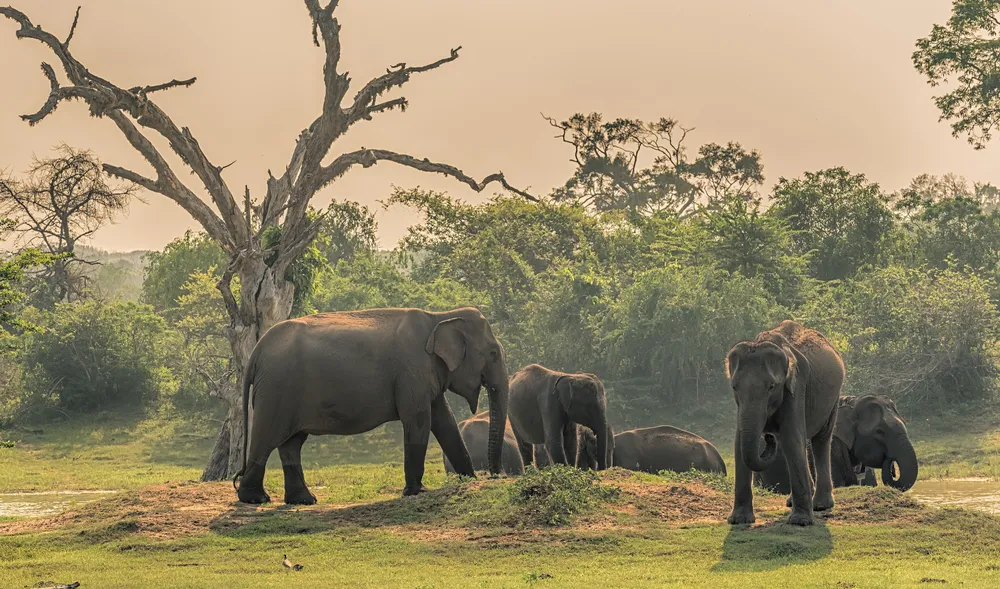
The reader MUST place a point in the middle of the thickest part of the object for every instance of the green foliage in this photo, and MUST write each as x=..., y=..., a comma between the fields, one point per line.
x=555, y=494
x=168, y=271
x=11, y=275
x=962, y=54
x=841, y=218
x=609, y=157
x=349, y=230
x=675, y=324
x=94, y=355
x=717, y=481
x=917, y=335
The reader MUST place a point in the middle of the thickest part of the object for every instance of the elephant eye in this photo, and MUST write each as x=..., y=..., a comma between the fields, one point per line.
x=770, y=387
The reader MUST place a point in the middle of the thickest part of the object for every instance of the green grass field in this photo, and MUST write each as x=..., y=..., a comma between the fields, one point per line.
x=621, y=529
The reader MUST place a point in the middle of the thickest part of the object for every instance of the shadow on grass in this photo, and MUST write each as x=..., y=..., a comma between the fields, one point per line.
x=773, y=545
x=427, y=509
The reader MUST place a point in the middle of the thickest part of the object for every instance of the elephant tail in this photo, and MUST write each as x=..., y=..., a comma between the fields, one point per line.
x=247, y=383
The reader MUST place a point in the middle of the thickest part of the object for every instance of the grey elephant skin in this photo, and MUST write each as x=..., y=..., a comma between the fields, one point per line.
x=546, y=407
x=786, y=383
x=586, y=452
x=664, y=447
x=347, y=373
x=870, y=434
x=475, y=432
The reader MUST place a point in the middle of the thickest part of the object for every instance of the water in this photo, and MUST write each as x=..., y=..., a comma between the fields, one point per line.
x=981, y=494
x=45, y=503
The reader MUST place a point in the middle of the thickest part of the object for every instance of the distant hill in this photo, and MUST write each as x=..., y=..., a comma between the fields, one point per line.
x=119, y=274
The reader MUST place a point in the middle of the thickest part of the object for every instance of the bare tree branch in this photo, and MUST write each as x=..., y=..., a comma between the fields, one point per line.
x=369, y=157
x=72, y=29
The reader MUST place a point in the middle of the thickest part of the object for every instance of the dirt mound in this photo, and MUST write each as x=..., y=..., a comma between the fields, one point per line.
x=182, y=509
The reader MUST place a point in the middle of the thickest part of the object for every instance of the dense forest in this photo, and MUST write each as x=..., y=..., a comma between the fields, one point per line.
x=645, y=267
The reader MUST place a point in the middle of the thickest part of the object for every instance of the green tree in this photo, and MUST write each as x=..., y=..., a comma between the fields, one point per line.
x=643, y=167
x=963, y=54
x=841, y=219
x=169, y=270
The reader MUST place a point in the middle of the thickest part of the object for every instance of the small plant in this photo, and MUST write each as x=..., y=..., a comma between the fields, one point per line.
x=7, y=443
x=533, y=577
x=716, y=481
x=553, y=495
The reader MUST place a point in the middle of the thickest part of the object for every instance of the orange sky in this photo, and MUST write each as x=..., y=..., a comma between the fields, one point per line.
x=809, y=84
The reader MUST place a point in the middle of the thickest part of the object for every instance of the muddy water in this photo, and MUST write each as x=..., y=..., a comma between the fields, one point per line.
x=981, y=494
x=38, y=504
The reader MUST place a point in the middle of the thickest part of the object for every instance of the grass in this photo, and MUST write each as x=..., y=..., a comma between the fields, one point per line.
x=553, y=528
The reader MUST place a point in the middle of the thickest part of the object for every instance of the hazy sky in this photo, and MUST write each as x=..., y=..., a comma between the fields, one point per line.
x=809, y=84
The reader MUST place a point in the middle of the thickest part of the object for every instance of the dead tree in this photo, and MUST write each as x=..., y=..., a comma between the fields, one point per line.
x=61, y=200
x=265, y=295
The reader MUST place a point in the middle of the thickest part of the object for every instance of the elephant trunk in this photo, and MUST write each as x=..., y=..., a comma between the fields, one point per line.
x=900, y=451
x=751, y=427
x=498, y=390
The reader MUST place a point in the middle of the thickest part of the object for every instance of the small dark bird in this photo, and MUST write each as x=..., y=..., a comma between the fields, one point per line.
x=288, y=564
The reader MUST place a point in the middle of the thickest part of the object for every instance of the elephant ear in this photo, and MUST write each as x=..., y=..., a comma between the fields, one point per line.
x=797, y=374
x=447, y=341
x=564, y=390
x=847, y=425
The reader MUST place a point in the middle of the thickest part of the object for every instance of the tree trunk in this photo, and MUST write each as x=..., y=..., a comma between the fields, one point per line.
x=259, y=309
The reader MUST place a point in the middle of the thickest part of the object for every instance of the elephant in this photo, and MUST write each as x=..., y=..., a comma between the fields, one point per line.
x=475, y=433
x=869, y=434
x=664, y=447
x=546, y=406
x=786, y=384
x=586, y=453
x=348, y=372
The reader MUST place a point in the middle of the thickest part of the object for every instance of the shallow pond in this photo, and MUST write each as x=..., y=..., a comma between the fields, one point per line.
x=45, y=503
x=981, y=494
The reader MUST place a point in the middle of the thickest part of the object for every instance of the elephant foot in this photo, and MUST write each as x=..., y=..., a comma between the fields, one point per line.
x=409, y=491
x=300, y=496
x=252, y=496
x=823, y=503
x=800, y=518
x=741, y=516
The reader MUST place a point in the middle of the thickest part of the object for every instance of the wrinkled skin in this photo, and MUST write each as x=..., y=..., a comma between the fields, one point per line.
x=545, y=408
x=870, y=434
x=786, y=384
x=347, y=373
x=664, y=447
x=475, y=432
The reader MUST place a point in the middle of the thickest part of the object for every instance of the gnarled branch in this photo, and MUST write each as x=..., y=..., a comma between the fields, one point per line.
x=369, y=157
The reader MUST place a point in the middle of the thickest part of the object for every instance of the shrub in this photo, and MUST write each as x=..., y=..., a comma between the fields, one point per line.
x=553, y=495
x=93, y=355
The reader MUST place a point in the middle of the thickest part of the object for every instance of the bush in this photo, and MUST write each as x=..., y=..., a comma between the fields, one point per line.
x=93, y=355
x=553, y=495
x=676, y=324
x=916, y=335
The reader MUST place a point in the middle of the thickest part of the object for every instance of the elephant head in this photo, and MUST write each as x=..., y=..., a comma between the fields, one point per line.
x=876, y=435
x=761, y=374
x=587, y=449
x=474, y=358
x=583, y=398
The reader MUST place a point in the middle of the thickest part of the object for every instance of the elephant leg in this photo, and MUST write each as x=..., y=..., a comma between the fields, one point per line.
x=743, y=500
x=821, y=445
x=446, y=432
x=555, y=426
x=416, y=434
x=794, y=449
x=252, y=483
x=296, y=491
x=525, y=449
x=571, y=435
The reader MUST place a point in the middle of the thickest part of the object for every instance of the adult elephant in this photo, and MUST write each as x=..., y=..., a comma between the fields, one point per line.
x=546, y=406
x=664, y=447
x=869, y=434
x=786, y=383
x=349, y=372
x=475, y=432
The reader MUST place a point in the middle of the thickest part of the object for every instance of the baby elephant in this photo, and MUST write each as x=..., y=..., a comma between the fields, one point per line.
x=476, y=434
x=545, y=407
x=664, y=447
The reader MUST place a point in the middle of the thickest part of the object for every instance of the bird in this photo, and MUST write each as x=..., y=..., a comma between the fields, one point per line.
x=288, y=564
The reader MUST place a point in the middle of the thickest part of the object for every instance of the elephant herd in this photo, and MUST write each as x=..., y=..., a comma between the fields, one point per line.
x=346, y=373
